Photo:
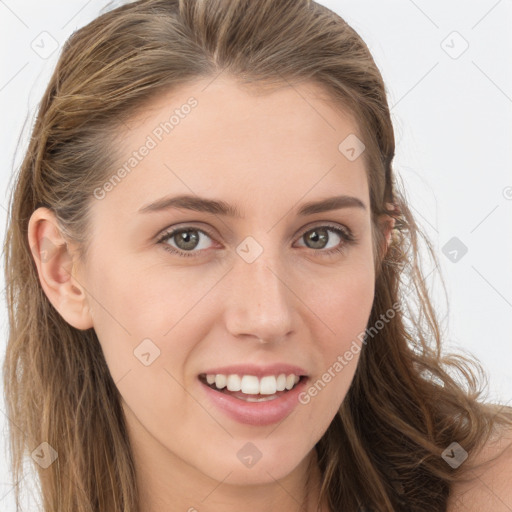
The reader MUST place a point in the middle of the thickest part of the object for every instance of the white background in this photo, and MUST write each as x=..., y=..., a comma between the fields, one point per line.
x=452, y=113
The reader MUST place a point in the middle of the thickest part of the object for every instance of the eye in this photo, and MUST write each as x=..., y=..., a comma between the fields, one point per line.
x=319, y=238
x=189, y=238
x=186, y=239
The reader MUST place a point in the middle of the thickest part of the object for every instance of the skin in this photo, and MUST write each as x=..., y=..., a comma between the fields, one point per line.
x=267, y=154
x=488, y=486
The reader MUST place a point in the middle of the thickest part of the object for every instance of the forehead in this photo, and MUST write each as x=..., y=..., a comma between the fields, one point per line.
x=252, y=142
x=305, y=109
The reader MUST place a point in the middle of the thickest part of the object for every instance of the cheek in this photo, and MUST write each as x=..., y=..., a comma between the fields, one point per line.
x=343, y=307
x=342, y=301
x=135, y=317
x=145, y=317
x=126, y=310
x=131, y=297
x=349, y=309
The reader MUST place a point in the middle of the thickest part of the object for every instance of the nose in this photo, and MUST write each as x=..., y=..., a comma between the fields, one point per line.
x=260, y=303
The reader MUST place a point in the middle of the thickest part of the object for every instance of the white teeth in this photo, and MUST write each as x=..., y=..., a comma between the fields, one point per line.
x=281, y=382
x=268, y=385
x=290, y=381
x=220, y=381
x=234, y=383
x=251, y=385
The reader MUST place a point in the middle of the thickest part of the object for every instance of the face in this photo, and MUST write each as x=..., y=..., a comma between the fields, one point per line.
x=266, y=292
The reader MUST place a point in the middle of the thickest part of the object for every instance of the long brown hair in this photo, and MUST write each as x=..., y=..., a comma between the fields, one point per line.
x=383, y=450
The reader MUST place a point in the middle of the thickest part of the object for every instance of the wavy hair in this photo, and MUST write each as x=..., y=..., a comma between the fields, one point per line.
x=407, y=402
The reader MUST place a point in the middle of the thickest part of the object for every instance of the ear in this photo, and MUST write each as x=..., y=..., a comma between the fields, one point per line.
x=387, y=223
x=55, y=261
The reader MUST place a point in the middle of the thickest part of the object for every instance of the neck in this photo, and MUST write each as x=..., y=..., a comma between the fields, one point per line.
x=311, y=501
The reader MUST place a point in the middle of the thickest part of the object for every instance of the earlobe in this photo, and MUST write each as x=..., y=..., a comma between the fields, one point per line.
x=54, y=261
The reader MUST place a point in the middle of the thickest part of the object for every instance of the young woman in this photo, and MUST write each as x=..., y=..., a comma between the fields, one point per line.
x=213, y=280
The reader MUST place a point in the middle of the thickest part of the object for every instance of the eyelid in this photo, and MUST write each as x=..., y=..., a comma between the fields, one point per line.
x=182, y=226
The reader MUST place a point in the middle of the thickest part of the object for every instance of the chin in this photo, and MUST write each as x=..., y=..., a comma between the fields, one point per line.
x=255, y=462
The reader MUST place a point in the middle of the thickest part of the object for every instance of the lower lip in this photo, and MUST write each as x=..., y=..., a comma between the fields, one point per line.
x=256, y=413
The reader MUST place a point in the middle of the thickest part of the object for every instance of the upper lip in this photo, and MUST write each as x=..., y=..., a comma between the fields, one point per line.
x=257, y=370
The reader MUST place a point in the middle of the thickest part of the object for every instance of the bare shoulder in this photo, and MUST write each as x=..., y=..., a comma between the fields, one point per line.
x=491, y=488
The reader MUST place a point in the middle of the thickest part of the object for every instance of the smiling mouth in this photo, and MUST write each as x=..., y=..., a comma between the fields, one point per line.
x=251, y=389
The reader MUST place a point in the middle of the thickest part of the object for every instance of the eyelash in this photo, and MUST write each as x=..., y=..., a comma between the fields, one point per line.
x=346, y=235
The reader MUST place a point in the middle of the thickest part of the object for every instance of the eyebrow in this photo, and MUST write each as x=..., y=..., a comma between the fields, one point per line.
x=219, y=207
